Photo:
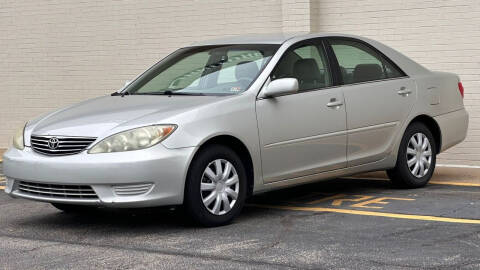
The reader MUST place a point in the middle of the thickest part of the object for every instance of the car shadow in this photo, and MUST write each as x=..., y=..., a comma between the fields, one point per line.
x=151, y=220
x=314, y=191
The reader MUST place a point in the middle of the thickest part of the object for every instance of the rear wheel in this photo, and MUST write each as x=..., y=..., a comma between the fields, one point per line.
x=416, y=157
x=72, y=208
x=216, y=186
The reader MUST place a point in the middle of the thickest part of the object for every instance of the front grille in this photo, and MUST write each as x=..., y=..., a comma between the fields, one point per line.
x=57, y=191
x=60, y=145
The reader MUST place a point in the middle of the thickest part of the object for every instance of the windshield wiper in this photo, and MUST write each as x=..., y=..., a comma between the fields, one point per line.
x=120, y=94
x=171, y=93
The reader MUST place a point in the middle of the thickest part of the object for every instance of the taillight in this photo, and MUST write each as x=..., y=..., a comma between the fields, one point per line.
x=460, y=88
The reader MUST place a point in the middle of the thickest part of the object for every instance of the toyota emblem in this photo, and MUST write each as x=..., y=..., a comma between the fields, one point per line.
x=53, y=143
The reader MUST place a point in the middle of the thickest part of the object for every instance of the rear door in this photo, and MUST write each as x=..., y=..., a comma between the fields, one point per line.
x=378, y=98
x=303, y=133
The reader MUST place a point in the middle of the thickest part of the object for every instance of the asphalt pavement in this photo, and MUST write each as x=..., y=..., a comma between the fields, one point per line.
x=354, y=223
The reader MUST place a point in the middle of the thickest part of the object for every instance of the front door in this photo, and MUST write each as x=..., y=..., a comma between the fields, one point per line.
x=303, y=133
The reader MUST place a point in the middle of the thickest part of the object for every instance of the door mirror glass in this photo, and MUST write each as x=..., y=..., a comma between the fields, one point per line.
x=281, y=87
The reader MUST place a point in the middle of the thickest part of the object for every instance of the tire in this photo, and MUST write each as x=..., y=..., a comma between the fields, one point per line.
x=205, y=184
x=404, y=175
x=72, y=208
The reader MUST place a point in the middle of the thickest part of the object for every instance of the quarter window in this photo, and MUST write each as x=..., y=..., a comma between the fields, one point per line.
x=308, y=64
x=360, y=63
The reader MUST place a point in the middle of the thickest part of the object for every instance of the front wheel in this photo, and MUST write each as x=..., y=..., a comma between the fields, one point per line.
x=216, y=185
x=416, y=157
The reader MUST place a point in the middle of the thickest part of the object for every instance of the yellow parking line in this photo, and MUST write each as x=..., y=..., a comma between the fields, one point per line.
x=447, y=183
x=371, y=213
x=336, y=196
x=455, y=184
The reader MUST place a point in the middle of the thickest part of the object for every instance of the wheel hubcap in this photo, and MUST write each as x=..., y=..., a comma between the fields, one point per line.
x=219, y=187
x=419, y=155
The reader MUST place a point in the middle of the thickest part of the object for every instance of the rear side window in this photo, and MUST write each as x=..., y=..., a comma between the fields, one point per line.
x=360, y=63
x=308, y=64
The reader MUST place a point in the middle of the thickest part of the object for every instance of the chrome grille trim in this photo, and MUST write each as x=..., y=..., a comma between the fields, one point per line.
x=132, y=190
x=66, y=145
x=57, y=191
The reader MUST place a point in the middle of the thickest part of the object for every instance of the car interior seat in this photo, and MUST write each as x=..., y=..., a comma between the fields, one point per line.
x=367, y=72
x=308, y=74
x=246, y=70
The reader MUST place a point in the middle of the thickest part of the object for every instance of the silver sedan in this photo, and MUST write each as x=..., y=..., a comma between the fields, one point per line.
x=216, y=122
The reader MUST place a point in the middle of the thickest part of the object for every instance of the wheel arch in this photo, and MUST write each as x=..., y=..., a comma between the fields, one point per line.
x=240, y=148
x=432, y=126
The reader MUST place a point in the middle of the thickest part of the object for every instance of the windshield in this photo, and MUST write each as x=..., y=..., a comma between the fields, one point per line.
x=205, y=70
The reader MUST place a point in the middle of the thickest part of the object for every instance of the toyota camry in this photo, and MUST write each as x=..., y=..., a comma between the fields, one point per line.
x=216, y=122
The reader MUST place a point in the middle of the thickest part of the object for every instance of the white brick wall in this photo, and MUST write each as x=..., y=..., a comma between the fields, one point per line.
x=54, y=53
x=440, y=34
x=296, y=15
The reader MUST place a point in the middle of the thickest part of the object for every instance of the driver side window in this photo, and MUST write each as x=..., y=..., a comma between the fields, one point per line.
x=307, y=64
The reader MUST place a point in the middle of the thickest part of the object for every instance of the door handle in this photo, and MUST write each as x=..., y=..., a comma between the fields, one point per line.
x=404, y=91
x=334, y=103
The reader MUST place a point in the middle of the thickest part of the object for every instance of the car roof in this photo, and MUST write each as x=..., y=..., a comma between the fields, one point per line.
x=269, y=38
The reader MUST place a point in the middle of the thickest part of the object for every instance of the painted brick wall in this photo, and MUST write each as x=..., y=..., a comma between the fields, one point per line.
x=55, y=53
x=296, y=15
x=441, y=34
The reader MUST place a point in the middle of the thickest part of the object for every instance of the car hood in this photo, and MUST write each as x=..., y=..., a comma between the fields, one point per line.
x=95, y=117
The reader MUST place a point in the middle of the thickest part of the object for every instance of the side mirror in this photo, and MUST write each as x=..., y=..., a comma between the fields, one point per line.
x=280, y=87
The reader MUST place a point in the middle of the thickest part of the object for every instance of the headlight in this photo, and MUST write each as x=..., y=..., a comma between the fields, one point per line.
x=134, y=139
x=18, y=139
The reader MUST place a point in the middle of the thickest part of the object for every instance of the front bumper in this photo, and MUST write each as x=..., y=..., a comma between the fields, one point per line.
x=143, y=178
